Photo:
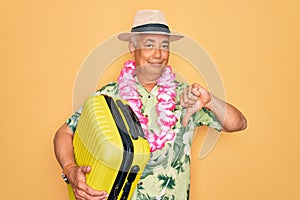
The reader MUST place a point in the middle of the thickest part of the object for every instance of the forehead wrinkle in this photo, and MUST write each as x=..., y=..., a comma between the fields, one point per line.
x=149, y=40
x=153, y=37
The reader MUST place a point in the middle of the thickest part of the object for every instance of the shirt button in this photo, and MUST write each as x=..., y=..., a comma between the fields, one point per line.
x=146, y=116
x=149, y=96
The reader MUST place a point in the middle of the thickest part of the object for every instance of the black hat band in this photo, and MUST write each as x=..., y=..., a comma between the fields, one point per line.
x=151, y=28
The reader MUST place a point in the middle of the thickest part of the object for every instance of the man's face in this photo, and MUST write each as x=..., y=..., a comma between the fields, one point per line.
x=151, y=53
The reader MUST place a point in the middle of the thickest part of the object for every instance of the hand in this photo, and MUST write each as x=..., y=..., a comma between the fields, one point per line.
x=193, y=98
x=77, y=179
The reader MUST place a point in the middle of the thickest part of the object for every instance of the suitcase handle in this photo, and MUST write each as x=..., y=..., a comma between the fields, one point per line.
x=130, y=179
x=132, y=120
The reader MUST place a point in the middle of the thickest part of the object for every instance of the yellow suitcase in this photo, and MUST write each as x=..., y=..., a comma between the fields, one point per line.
x=109, y=138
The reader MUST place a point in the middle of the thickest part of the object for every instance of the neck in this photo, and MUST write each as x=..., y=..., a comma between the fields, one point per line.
x=148, y=82
x=149, y=86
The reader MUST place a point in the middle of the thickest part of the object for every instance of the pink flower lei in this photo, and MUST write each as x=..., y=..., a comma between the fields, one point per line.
x=164, y=107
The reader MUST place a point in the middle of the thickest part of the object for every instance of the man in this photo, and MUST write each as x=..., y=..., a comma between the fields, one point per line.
x=168, y=111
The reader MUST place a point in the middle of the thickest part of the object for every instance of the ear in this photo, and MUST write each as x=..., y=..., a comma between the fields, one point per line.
x=131, y=48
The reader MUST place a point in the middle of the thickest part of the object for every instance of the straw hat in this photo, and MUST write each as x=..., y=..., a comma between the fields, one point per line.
x=149, y=22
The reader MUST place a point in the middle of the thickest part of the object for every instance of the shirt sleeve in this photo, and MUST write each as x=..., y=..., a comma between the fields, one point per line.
x=73, y=120
x=205, y=117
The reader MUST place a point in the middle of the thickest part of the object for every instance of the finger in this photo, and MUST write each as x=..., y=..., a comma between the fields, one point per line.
x=192, y=92
x=85, y=192
x=188, y=91
x=104, y=195
x=95, y=193
x=196, y=90
x=188, y=97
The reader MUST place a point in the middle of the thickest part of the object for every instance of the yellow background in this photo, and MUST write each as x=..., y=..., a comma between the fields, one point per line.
x=255, y=45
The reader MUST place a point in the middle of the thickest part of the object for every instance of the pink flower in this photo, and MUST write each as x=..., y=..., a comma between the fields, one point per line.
x=160, y=143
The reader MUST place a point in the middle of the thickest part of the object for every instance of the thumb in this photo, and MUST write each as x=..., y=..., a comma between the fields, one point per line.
x=86, y=169
x=189, y=112
x=187, y=116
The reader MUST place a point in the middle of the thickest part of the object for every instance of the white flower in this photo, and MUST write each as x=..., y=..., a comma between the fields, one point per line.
x=165, y=182
x=186, y=141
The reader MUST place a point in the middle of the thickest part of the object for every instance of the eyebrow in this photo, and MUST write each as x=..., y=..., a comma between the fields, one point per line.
x=152, y=40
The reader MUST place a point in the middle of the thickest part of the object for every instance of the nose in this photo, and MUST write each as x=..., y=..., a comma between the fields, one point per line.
x=157, y=53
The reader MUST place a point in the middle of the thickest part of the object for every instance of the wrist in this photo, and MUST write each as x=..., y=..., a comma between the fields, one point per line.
x=66, y=168
x=210, y=105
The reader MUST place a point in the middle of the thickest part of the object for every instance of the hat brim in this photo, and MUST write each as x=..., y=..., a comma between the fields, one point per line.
x=127, y=35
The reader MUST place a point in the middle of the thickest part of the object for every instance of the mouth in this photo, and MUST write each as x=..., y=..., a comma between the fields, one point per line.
x=155, y=64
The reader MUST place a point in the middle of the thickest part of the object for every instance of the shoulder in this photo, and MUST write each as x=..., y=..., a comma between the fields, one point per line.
x=110, y=89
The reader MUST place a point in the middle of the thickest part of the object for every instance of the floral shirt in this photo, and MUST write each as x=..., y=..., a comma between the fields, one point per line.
x=167, y=174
